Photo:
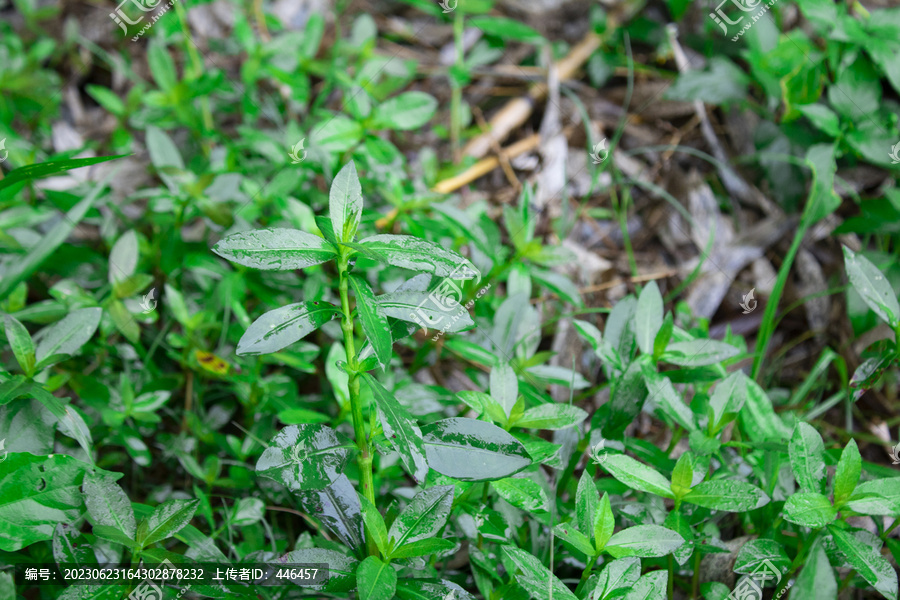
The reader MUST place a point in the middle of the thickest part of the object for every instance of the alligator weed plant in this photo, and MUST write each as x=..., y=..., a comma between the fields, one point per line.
x=312, y=459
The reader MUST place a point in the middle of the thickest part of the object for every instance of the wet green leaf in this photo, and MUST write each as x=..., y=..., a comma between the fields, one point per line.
x=867, y=561
x=423, y=548
x=651, y=586
x=618, y=574
x=756, y=553
x=409, y=110
x=275, y=249
x=341, y=568
x=472, y=450
x=424, y=517
x=429, y=589
x=345, y=203
x=551, y=416
x=107, y=503
x=166, y=520
x=337, y=506
x=637, y=475
x=586, y=500
x=375, y=524
x=809, y=509
x=401, y=429
x=816, y=579
x=21, y=343
x=698, y=353
x=524, y=494
x=283, y=326
x=375, y=580
x=374, y=321
x=807, y=453
x=728, y=495
x=644, y=540
x=580, y=541
x=504, y=386
x=303, y=457
x=535, y=577
x=416, y=254
x=426, y=310
x=872, y=286
x=67, y=335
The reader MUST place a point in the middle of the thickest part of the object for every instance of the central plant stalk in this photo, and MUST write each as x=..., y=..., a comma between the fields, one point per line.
x=364, y=458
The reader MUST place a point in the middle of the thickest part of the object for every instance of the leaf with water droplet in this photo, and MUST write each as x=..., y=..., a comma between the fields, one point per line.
x=472, y=450
x=417, y=255
x=283, y=326
x=875, y=290
x=275, y=249
x=426, y=310
x=305, y=457
x=345, y=203
x=402, y=430
x=374, y=321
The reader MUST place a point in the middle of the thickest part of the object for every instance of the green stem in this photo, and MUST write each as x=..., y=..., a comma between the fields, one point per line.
x=364, y=458
x=767, y=327
x=586, y=574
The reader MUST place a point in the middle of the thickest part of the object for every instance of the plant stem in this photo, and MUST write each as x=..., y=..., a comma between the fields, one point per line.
x=586, y=574
x=364, y=458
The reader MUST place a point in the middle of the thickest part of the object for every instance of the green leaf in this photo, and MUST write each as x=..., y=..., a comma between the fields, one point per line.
x=409, y=110
x=698, y=353
x=522, y=493
x=551, y=416
x=21, y=343
x=374, y=322
x=867, y=561
x=728, y=495
x=67, y=335
x=303, y=457
x=163, y=154
x=856, y=93
x=649, y=317
x=341, y=568
x=651, y=586
x=669, y=401
x=618, y=574
x=52, y=167
x=114, y=535
x=70, y=546
x=338, y=134
x=345, y=203
x=471, y=450
x=106, y=98
x=374, y=524
x=107, y=503
x=20, y=269
x=161, y=65
x=36, y=493
x=683, y=475
x=877, y=497
x=423, y=548
x=275, y=249
x=504, y=386
x=122, y=319
x=283, y=326
x=823, y=118
x=123, y=258
x=604, y=522
x=507, y=29
x=846, y=476
x=637, y=475
x=247, y=511
x=644, y=541
x=559, y=376
x=540, y=583
x=586, y=500
x=422, y=589
x=872, y=286
x=166, y=520
x=71, y=422
x=727, y=400
x=566, y=532
x=756, y=553
x=426, y=310
x=424, y=517
x=337, y=506
x=375, y=580
x=415, y=254
x=807, y=453
x=721, y=82
x=401, y=429
x=809, y=509
x=816, y=579
x=822, y=199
